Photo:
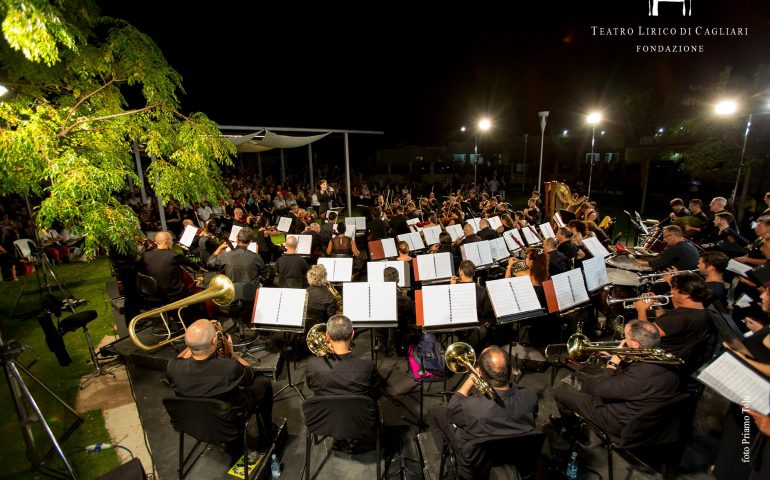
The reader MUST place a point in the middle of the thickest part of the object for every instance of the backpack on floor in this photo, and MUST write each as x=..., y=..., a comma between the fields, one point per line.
x=426, y=355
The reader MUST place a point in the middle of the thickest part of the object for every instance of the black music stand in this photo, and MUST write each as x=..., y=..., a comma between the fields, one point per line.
x=287, y=347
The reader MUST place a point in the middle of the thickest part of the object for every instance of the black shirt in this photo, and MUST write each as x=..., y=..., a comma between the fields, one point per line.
x=472, y=238
x=291, y=269
x=682, y=255
x=568, y=248
x=341, y=375
x=398, y=225
x=165, y=266
x=558, y=263
x=240, y=265
x=215, y=377
x=479, y=416
x=686, y=330
x=487, y=233
x=320, y=306
x=378, y=229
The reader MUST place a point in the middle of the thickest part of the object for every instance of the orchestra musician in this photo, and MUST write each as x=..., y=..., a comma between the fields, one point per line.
x=200, y=373
x=165, y=266
x=466, y=273
x=485, y=231
x=679, y=210
x=467, y=417
x=696, y=210
x=753, y=255
x=557, y=261
x=378, y=228
x=240, y=265
x=532, y=213
x=398, y=222
x=290, y=268
x=321, y=305
x=712, y=266
x=612, y=399
x=679, y=253
x=341, y=244
x=406, y=314
x=469, y=236
x=325, y=195
x=726, y=239
x=327, y=229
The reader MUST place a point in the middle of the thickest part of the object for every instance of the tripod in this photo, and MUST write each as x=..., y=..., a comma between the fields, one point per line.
x=19, y=393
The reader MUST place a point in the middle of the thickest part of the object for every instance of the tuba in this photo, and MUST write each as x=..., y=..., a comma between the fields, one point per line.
x=580, y=349
x=460, y=358
x=316, y=341
x=220, y=289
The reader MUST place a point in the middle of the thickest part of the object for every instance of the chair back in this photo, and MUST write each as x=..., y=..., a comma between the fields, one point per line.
x=481, y=454
x=146, y=285
x=206, y=419
x=656, y=425
x=342, y=417
x=24, y=248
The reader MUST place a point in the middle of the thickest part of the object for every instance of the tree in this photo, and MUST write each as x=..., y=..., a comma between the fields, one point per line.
x=83, y=88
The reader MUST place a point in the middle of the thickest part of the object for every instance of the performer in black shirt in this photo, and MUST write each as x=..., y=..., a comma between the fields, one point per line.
x=325, y=194
x=485, y=231
x=679, y=253
x=321, y=304
x=165, y=266
x=378, y=228
x=240, y=265
x=290, y=268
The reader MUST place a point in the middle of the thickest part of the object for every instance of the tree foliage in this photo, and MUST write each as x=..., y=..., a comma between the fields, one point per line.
x=83, y=88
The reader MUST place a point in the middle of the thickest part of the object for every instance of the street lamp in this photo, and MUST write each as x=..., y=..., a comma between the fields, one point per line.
x=484, y=125
x=543, y=118
x=592, y=119
x=729, y=107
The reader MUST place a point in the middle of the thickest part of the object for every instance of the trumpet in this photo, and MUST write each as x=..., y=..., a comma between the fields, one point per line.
x=460, y=358
x=316, y=341
x=580, y=349
x=220, y=289
x=658, y=275
x=654, y=300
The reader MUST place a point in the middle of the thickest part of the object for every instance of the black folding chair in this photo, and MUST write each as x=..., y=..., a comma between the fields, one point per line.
x=483, y=457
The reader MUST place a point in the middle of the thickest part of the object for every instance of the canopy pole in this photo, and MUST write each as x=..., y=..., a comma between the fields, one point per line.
x=139, y=172
x=310, y=165
x=283, y=169
x=347, y=174
x=259, y=164
x=161, y=210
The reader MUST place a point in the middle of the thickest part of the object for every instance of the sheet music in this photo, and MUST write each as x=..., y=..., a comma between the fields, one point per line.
x=370, y=302
x=412, y=221
x=337, y=269
x=530, y=236
x=511, y=296
x=431, y=234
x=474, y=222
x=234, y=234
x=733, y=266
x=557, y=217
x=358, y=222
x=595, y=272
x=499, y=249
x=252, y=247
x=449, y=305
x=512, y=245
x=485, y=252
x=455, y=231
x=735, y=381
x=426, y=266
x=470, y=251
x=547, y=230
x=413, y=239
x=444, y=264
x=188, y=236
x=284, y=224
x=304, y=243
x=495, y=222
x=389, y=247
x=569, y=288
x=595, y=247
x=374, y=271
x=350, y=230
x=280, y=307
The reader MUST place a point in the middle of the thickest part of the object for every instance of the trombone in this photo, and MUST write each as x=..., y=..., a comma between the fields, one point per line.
x=220, y=289
x=654, y=300
x=580, y=349
x=658, y=275
x=460, y=358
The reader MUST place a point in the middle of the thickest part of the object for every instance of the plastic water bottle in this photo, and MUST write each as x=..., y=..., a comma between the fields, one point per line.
x=572, y=467
x=275, y=466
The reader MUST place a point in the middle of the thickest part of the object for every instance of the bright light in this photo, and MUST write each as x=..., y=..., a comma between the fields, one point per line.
x=726, y=107
x=3, y=90
x=660, y=130
x=603, y=132
x=485, y=124
x=565, y=132
x=593, y=118
x=462, y=129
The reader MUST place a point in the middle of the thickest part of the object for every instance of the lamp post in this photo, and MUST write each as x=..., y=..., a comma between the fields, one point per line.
x=726, y=108
x=593, y=119
x=483, y=125
x=543, y=118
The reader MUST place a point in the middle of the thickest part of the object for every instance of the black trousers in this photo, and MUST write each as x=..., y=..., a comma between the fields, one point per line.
x=260, y=401
x=590, y=407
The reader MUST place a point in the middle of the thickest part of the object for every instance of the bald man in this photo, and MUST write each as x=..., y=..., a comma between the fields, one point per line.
x=165, y=266
x=199, y=372
x=468, y=417
x=290, y=268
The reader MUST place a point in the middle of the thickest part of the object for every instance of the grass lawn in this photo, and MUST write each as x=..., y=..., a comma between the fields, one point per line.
x=85, y=280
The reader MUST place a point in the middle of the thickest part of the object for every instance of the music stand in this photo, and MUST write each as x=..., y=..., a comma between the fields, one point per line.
x=371, y=305
x=282, y=310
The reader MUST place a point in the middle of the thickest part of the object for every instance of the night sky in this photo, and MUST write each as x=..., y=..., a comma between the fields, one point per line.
x=419, y=71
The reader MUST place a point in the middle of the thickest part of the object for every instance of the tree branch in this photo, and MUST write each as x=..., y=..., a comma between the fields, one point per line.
x=66, y=130
x=80, y=102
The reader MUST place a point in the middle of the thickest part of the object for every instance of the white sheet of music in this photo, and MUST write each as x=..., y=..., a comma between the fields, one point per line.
x=738, y=383
x=370, y=302
x=413, y=239
x=595, y=272
x=455, y=231
x=304, y=242
x=474, y=222
x=358, y=222
x=511, y=296
x=470, y=251
x=509, y=239
x=444, y=264
x=431, y=234
x=350, y=230
x=234, y=233
x=485, y=252
x=530, y=236
x=284, y=224
x=547, y=230
x=412, y=221
x=188, y=236
x=570, y=289
x=280, y=307
x=495, y=222
x=337, y=269
x=595, y=247
x=374, y=271
x=559, y=221
x=426, y=266
x=252, y=247
x=732, y=265
x=499, y=249
x=389, y=247
x=449, y=305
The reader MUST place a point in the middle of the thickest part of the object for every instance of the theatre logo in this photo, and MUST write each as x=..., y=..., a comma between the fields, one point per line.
x=652, y=7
